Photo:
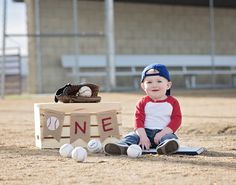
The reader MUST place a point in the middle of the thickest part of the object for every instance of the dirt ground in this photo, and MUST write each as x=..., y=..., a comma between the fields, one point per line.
x=209, y=120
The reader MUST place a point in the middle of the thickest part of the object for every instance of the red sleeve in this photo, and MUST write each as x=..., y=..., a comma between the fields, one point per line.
x=176, y=116
x=139, y=114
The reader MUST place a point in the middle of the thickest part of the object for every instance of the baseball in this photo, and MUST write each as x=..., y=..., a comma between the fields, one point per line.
x=84, y=91
x=52, y=123
x=94, y=146
x=66, y=150
x=134, y=151
x=79, y=154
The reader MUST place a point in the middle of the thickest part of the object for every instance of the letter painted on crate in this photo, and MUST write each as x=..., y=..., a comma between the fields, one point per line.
x=77, y=126
x=107, y=124
x=80, y=127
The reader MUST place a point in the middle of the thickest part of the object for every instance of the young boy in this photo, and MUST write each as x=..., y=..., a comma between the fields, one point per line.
x=157, y=116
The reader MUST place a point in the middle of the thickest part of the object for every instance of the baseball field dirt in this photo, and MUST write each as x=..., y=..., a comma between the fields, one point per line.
x=209, y=121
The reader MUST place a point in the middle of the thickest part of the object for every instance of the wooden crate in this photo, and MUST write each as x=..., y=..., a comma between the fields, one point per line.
x=76, y=123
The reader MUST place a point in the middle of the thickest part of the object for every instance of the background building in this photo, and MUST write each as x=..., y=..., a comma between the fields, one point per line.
x=177, y=28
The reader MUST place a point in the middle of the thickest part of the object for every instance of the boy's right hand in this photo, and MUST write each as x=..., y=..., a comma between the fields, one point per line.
x=144, y=141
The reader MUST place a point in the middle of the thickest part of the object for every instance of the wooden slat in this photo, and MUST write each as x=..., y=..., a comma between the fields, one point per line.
x=66, y=131
x=93, y=119
x=91, y=108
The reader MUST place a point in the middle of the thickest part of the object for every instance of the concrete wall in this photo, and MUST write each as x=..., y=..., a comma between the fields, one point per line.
x=139, y=29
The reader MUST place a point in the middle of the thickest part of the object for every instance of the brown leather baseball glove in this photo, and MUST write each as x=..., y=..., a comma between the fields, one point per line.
x=71, y=94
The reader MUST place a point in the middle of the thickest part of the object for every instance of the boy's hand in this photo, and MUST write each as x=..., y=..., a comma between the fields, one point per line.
x=144, y=141
x=160, y=134
x=158, y=137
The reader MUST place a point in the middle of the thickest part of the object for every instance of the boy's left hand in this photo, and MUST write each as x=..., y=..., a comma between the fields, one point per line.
x=158, y=137
x=160, y=134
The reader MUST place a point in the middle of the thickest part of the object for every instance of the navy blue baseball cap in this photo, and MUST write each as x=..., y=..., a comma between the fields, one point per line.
x=162, y=71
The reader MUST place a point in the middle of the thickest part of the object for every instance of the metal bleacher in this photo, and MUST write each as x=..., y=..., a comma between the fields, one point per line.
x=12, y=70
x=190, y=67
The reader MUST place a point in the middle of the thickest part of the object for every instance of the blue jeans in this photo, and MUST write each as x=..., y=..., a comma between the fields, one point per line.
x=133, y=138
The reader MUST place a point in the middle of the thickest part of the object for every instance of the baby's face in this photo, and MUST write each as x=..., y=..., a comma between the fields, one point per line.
x=155, y=86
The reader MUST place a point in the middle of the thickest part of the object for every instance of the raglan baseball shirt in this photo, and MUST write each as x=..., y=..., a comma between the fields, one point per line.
x=158, y=114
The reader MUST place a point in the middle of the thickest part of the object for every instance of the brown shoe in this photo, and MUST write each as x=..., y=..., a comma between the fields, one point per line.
x=115, y=149
x=167, y=147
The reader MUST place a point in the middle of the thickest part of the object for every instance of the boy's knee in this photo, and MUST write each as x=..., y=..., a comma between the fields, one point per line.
x=131, y=138
x=132, y=135
x=168, y=136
